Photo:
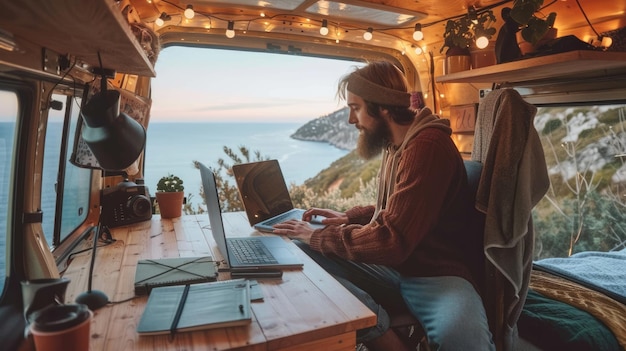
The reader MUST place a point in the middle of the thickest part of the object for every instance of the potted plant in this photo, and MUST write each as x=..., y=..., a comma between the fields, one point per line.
x=534, y=27
x=459, y=36
x=170, y=195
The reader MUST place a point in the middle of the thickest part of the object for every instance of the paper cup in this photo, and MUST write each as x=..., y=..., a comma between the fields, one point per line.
x=62, y=328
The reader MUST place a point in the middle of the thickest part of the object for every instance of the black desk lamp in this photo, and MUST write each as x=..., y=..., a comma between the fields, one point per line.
x=116, y=141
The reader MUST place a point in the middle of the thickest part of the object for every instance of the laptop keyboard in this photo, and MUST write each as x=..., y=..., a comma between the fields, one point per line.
x=250, y=251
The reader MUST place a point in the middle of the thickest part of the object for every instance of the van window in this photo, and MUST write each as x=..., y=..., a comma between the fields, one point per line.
x=585, y=207
x=8, y=119
x=65, y=187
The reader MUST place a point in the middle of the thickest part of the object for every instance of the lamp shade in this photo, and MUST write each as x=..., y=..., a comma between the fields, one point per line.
x=115, y=139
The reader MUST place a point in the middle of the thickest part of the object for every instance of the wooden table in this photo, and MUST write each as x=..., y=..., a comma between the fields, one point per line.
x=306, y=310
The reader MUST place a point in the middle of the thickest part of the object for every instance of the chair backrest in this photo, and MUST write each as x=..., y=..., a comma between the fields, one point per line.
x=476, y=223
x=513, y=180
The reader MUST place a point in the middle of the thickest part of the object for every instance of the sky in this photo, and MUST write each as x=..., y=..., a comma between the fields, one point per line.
x=215, y=85
x=194, y=84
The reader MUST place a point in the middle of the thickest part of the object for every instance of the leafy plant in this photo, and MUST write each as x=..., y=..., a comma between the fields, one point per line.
x=462, y=32
x=170, y=183
x=457, y=35
x=527, y=14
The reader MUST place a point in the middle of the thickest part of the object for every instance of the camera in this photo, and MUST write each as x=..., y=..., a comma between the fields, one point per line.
x=126, y=203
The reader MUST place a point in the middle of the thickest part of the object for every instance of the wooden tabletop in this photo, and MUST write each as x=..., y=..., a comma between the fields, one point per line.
x=305, y=310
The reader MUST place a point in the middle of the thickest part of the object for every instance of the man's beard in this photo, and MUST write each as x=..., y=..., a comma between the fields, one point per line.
x=372, y=142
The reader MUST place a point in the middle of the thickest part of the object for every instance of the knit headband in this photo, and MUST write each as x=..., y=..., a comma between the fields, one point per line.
x=379, y=94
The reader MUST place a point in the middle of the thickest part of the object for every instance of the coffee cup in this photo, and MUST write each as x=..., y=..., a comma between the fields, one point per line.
x=62, y=328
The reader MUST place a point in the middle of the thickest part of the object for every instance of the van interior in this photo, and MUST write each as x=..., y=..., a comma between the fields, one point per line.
x=567, y=58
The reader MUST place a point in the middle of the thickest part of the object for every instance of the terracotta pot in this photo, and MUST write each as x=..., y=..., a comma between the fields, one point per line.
x=457, y=63
x=170, y=203
x=527, y=48
x=457, y=60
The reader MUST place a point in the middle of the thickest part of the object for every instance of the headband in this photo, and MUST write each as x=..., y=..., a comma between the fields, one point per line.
x=379, y=94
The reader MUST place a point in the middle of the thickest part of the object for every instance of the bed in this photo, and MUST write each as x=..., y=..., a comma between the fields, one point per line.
x=577, y=303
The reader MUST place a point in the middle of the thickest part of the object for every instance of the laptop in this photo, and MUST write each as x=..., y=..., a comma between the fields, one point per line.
x=246, y=253
x=265, y=195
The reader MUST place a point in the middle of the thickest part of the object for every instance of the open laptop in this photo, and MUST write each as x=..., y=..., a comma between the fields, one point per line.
x=244, y=253
x=265, y=195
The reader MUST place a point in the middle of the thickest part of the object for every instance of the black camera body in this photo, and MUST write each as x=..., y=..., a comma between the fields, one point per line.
x=126, y=203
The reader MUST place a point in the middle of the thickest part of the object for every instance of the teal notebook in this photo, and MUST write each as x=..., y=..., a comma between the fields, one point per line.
x=173, y=271
x=182, y=308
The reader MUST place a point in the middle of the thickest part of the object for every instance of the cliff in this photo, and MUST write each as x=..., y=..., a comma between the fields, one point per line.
x=332, y=128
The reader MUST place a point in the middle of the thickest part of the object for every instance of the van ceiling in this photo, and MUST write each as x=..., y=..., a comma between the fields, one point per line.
x=263, y=25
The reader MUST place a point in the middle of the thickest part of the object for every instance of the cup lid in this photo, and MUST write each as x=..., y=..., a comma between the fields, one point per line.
x=60, y=317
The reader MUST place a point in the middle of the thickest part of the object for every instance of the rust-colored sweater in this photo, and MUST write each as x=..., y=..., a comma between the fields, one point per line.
x=420, y=229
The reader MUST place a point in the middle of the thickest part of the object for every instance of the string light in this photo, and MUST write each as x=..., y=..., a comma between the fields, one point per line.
x=482, y=42
x=189, y=12
x=368, y=35
x=606, y=42
x=324, y=27
x=161, y=20
x=230, y=32
x=418, y=34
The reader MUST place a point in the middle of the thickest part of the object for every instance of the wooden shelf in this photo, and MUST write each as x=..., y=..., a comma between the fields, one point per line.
x=565, y=65
x=79, y=28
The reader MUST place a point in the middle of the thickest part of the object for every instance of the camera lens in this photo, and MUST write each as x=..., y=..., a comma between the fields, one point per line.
x=139, y=206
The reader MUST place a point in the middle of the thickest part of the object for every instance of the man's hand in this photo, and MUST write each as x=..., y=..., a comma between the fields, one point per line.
x=295, y=229
x=332, y=217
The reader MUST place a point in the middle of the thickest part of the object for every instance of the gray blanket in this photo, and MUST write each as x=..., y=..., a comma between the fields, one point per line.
x=604, y=270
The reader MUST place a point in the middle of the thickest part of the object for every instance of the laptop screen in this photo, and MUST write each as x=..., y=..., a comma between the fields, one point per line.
x=213, y=208
x=262, y=189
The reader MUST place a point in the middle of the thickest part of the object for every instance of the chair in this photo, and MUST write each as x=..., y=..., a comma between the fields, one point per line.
x=513, y=180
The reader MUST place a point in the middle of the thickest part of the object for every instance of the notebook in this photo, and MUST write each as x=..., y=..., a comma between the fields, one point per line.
x=152, y=273
x=181, y=308
x=245, y=253
x=265, y=195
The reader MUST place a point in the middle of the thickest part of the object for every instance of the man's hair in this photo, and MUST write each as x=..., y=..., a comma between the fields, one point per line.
x=386, y=75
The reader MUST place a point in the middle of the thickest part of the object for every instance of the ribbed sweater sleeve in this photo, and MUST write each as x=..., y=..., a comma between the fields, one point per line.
x=360, y=214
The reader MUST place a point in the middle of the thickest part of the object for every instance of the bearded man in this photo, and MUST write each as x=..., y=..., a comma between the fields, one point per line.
x=411, y=248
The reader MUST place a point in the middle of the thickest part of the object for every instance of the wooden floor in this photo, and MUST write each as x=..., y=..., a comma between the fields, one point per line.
x=306, y=310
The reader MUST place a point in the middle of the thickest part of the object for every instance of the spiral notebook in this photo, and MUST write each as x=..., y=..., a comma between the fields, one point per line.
x=152, y=273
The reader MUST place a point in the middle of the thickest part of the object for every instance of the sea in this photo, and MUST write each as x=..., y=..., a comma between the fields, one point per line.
x=172, y=147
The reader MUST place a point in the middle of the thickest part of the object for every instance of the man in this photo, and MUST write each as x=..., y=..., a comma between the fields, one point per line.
x=413, y=245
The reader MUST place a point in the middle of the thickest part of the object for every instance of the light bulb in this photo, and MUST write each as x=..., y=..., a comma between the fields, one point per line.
x=482, y=42
x=159, y=22
x=324, y=27
x=418, y=50
x=189, y=13
x=418, y=34
x=607, y=42
x=368, y=35
x=230, y=32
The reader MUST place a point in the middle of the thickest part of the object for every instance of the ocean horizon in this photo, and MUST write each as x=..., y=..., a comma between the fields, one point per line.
x=204, y=141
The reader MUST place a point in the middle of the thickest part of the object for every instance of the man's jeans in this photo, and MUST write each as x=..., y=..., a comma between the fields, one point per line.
x=449, y=308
